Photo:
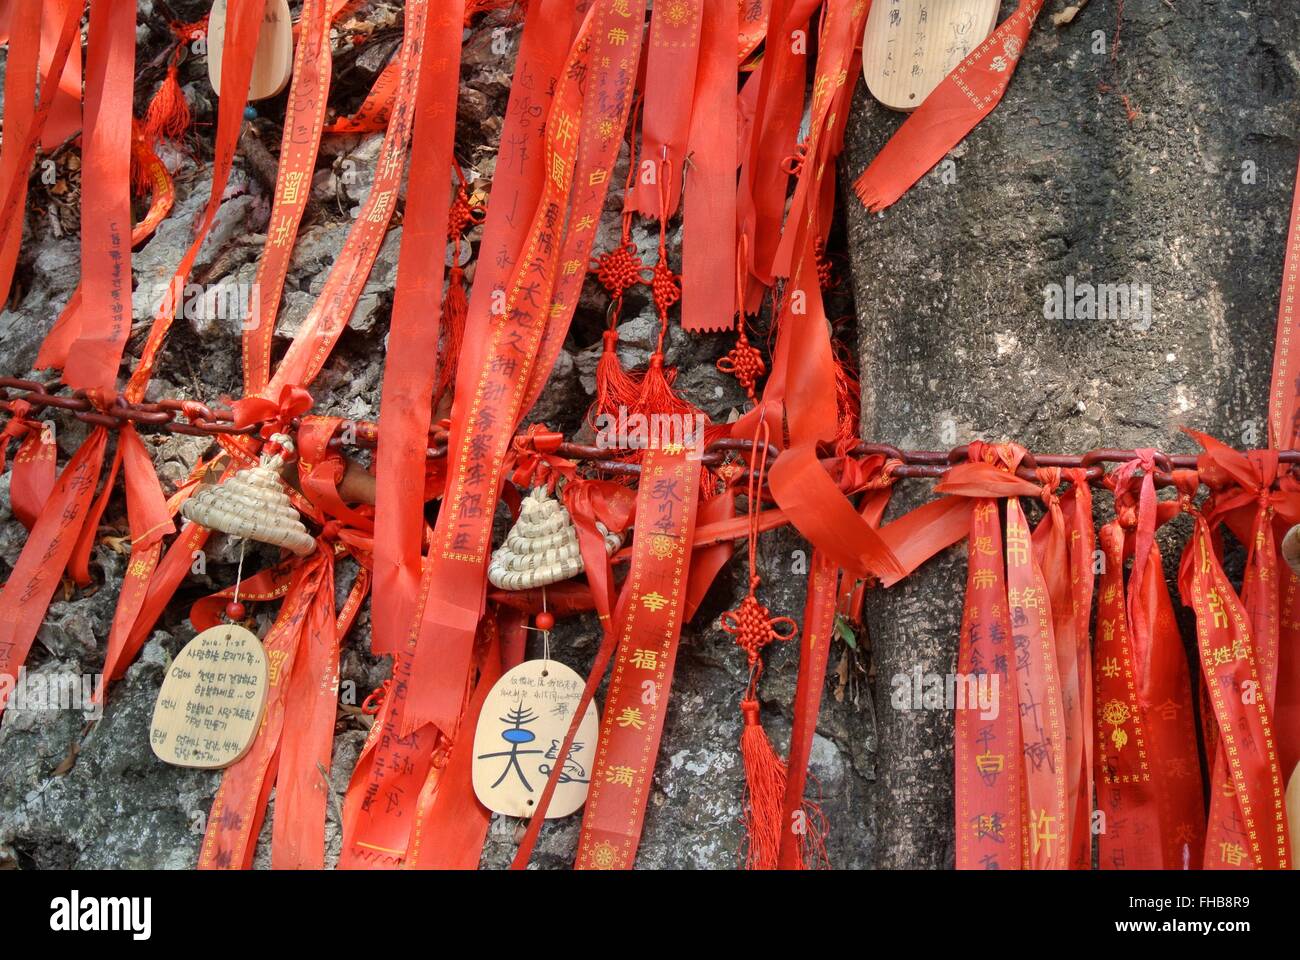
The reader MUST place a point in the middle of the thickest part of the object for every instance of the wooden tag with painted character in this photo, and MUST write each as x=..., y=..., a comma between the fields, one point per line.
x=211, y=701
x=520, y=731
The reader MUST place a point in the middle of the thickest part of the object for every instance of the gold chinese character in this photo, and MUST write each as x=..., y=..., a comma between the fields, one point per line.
x=280, y=235
x=1216, y=608
x=564, y=128
x=275, y=659
x=983, y=579
x=645, y=659
x=1043, y=832
x=392, y=166
x=1017, y=545
x=1232, y=853
x=990, y=762
x=618, y=36
x=382, y=202
x=559, y=171
x=620, y=775
x=988, y=825
x=654, y=601
x=630, y=717
x=292, y=182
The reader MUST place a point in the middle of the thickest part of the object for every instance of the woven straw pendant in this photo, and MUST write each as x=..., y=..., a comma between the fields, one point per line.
x=542, y=546
x=253, y=504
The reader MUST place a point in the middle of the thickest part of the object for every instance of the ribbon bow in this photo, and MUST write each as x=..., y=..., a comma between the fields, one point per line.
x=275, y=416
x=536, y=462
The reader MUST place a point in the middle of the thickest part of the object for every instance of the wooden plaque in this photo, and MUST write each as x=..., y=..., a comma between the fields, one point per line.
x=210, y=705
x=518, y=739
x=911, y=45
x=273, y=61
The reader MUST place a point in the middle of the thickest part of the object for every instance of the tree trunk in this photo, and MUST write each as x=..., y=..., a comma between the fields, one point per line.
x=1166, y=160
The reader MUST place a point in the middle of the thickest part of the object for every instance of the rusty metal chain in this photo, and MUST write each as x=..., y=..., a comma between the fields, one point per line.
x=200, y=419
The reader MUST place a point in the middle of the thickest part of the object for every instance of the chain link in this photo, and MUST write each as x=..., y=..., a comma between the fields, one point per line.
x=199, y=419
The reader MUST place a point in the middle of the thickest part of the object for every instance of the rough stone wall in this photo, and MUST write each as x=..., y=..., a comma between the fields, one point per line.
x=1061, y=181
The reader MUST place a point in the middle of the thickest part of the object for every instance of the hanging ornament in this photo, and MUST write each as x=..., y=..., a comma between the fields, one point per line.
x=254, y=504
x=210, y=704
x=520, y=731
x=273, y=61
x=542, y=546
x=744, y=361
x=618, y=270
x=168, y=115
x=753, y=627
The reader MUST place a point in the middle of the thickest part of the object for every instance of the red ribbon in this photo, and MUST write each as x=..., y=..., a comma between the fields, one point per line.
x=965, y=97
x=1235, y=682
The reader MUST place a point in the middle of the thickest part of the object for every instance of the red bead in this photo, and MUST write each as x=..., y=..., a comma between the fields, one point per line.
x=546, y=620
x=235, y=611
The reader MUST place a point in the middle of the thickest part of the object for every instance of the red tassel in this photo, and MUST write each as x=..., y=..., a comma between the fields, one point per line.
x=848, y=398
x=765, y=779
x=168, y=116
x=615, y=387
x=141, y=185
x=656, y=394
x=454, y=311
x=765, y=776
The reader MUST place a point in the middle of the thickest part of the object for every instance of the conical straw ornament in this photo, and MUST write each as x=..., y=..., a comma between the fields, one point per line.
x=253, y=504
x=542, y=546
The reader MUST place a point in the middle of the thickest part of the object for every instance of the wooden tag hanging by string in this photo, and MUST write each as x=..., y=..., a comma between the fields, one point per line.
x=520, y=731
x=211, y=700
x=273, y=61
x=909, y=47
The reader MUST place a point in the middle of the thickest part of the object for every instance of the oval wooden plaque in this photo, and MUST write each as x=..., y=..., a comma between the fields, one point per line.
x=519, y=735
x=210, y=705
x=273, y=61
x=909, y=46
